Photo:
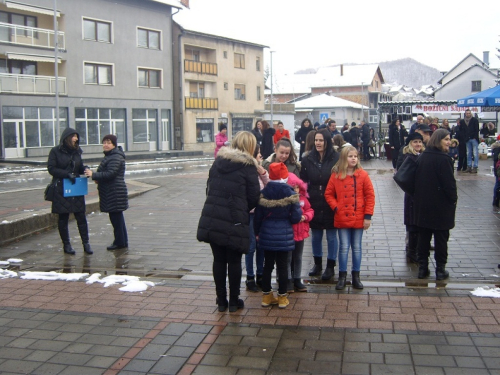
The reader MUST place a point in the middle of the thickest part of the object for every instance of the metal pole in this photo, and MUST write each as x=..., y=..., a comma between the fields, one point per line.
x=56, y=69
x=272, y=123
x=362, y=100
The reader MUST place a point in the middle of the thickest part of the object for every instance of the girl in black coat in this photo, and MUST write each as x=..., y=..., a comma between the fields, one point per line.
x=267, y=146
x=257, y=131
x=65, y=161
x=113, y=195
x=300, y=136
x=397, y=134
x=435, y=202
x=315, y=171
x=232, y=191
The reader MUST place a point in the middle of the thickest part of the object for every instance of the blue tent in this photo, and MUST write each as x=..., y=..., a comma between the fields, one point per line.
x=486, y=98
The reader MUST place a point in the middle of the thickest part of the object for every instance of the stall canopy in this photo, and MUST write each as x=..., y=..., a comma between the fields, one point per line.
x=489, y=100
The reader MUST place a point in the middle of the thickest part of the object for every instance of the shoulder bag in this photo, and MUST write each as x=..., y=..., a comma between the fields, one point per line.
x=50, y=191
x=405, y=176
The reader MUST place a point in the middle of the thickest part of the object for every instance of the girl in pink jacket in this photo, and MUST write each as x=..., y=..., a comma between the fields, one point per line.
x=221, y=139
x=300, y=232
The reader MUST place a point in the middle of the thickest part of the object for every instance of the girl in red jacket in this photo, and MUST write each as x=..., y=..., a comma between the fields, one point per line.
x=350, y=195
x=300, y=231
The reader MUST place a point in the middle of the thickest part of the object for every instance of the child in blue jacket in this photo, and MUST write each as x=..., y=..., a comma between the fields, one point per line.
x=277, y=210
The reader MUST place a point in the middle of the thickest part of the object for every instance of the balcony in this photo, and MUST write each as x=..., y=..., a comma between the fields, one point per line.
x=191, y=66
x=30, y=36
x=202, y=103
x=29, y=84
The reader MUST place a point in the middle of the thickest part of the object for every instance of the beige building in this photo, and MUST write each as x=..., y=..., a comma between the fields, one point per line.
x=217, y=80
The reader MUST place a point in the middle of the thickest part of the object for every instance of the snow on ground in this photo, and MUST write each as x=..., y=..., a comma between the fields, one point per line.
x=486, y=291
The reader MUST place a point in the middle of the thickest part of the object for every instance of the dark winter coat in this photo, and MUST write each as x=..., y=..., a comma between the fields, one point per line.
x=300, y=137
x=232, y=191
x=435, y=197
x=278, y=209
x=62, y=162
x=495, y=151
x=365, y=134
x=470, y=131
x=347, y=136
x=354, y=132
x=258, y=135
x=397, y=136
x=267, y=146
x=110, y=175
x=408, y=199
x=317, y=175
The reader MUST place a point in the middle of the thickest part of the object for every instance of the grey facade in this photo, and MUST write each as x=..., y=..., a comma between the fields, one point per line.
x=115, y=74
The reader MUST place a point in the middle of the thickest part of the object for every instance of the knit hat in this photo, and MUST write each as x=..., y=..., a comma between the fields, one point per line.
x=222, y=127
x=111, y=138
x=412, y=137
x=353, y=123
x=278, y=172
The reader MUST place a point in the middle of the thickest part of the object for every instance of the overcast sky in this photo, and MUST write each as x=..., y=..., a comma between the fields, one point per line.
x=315, y=33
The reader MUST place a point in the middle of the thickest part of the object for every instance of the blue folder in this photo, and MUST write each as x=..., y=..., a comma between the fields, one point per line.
x=80, y=187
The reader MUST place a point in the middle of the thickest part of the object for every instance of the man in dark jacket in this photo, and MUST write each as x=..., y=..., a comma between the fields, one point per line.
x=332, y=125
x=365, y=138
x=469, y=128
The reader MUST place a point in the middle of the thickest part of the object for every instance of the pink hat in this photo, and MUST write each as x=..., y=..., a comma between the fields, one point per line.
x=278, y=172
x=293, y=181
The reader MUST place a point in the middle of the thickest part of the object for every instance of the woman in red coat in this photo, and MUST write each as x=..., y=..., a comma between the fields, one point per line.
x=282, y=132
x=351, y=196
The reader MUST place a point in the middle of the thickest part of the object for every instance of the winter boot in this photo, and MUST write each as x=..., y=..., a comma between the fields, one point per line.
x=329, y=270
x=411, y=249
x=222, y=303
x=268, y=299
x=317, y=268
x=283, y=301
x=250, y=283
x=64, y=234
x=87, y=248
x=441, y=272
x=289, y=286
x=68, y=249
x=84, y=235
x=299, y=287
x=341, y=283
x=259, y=281
x=423, y=272
x=356, y=284
x=235, y=304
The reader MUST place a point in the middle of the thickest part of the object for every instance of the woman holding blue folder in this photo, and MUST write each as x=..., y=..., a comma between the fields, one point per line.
x=65, y=162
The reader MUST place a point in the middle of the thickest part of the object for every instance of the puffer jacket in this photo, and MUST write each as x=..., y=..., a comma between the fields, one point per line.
x=352, y=199
x=110, y=175
x=232, y=191
x=63, y=161
x=301, y=229
x=277, y=210
x=292, y=168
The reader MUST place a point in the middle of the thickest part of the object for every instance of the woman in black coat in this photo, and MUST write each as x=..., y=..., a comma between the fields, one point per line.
x=315, y=171
x=113, y=195
x=397, y=134
x=257, y=131
x=435, y=202
x=232, y=191
x=65, y=161
x=301, y=135
x=267, y=146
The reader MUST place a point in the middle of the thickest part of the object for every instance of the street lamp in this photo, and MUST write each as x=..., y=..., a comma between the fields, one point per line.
x=271, y=52
x=56, y=68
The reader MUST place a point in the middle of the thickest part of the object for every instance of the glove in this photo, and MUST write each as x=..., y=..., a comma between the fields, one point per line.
x=72, y=178
x=227, y=143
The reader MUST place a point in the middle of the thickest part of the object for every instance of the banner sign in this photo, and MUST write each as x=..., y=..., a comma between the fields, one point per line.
x=440, y=108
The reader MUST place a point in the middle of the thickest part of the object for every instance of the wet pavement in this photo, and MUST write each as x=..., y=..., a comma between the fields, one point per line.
x=397, y=324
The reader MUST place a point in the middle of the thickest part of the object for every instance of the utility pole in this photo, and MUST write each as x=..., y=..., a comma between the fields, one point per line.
x=56, y=70
x=272, y=123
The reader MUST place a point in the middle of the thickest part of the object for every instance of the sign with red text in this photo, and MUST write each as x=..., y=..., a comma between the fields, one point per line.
x=441, y=108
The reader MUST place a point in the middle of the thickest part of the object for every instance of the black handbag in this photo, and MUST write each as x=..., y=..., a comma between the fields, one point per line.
x=50, y=191
x=405, y=176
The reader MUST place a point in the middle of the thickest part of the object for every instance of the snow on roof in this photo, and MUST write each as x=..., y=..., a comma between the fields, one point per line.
x=292, y=83
x=173, y=3
x=326, y=101
x=352, y=75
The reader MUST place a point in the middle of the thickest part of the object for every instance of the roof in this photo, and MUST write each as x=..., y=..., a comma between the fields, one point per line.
x=326, y=101
x=461, y=61
x=465, y=71
x=413, y=102
x=352, y=75
x=173, y=3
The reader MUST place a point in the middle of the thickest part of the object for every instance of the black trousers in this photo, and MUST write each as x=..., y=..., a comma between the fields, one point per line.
x=440, y=246
x=462, y=157
x=366, y=150
x=81, y=221
x=270, y=258
x=120, y=230
x=394, y=156
x=227, y=262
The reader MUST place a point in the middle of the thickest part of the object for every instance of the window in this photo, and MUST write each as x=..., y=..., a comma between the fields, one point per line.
x=226, y=86
x=192, y=54
x=258, y=93
x=242, y=124
x=98, y=31
x=204, y=130
x=196, y=90
x=94, y=123
x=239, y=61
x=149, y=78
x=98, y=74
x=257, y=64
x=225, y=54
x=18, y=67
x=239, y=92
x=17, y=19
x=148, y=38
x=144, y=125
x=373, y=119
x=476, y=86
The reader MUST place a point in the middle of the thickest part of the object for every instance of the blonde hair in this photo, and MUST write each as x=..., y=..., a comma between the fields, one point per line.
x=244, y=141
x=341, y=167
x=410, y=150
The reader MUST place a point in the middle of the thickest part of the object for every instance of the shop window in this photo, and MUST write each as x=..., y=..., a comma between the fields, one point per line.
x=204, y=130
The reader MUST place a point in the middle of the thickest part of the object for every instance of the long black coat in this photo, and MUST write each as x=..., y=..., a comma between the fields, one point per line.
x=435, y=197
x=409, y=220
x=470, y=131
x=397, y=136
x=300, y=137
x=317, y=175
x=110, y=175
x=258, y=135
x=267, y=146
x=232, y=191
x=63, y=161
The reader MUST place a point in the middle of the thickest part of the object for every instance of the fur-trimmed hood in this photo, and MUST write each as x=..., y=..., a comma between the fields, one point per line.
x=277, y=195
x=230, y=159
x=495, y=145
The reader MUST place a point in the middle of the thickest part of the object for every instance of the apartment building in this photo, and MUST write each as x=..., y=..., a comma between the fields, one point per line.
x=217, y=80
x=114, y=74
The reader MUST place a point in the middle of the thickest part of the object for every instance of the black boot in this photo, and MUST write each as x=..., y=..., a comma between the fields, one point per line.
x=329, y=270
x=235, y=304
x=222, y=303
x=317, y=268
x=68, y=249
x=411, y=249
x=250, y=283
x=64, y=234
x=356, y=284
x=84, y=235
x=441, y=272
x=341, y=283
x=259, y=281
x=423, y=272
x=87, y=248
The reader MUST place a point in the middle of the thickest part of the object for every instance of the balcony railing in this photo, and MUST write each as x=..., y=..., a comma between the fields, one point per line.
x=30, y=36
x=202, y=103
x=192, y=66
x=28, y=84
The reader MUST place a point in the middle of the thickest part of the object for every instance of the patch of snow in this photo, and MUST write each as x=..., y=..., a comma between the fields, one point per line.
x=52, y=276
x=136, y=286
x=486, y=291
x=5, y=221
x=494, y=275
x=4, y=274
x=14, y=260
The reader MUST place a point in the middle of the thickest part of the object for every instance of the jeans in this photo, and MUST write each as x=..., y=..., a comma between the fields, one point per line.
x=331, y=240
x=472, y=148
x=259, y=257
x=119, y=228
x=227, y=261
x=350, y=238
x=280, y=258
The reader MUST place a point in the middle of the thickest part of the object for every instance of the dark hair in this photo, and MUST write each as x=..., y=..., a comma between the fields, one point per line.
x=338, y=141
x=332, y=122
x=327, y=137
x=280, y=122
x=285, y=142
x=69, y=144
x=437, y=137
x=394, y=120
x=304, y=120
x=256, y=122
x=309, y=144
x=265, y=125
x=257, y=150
